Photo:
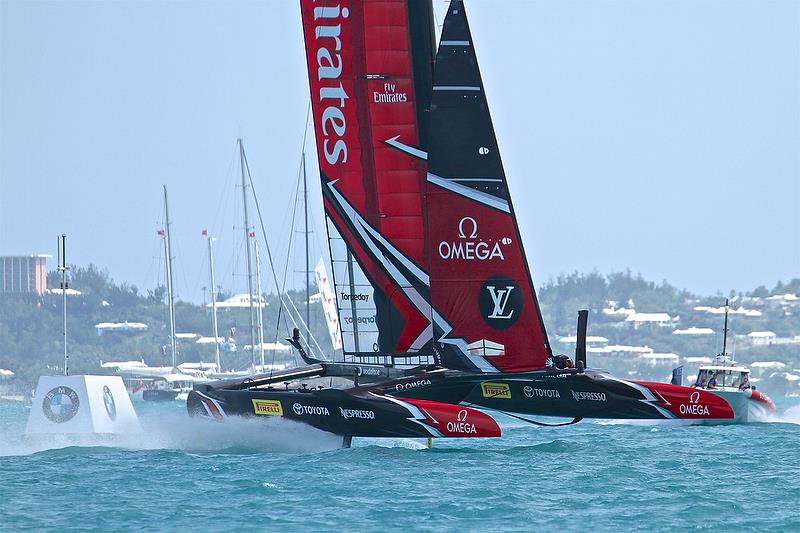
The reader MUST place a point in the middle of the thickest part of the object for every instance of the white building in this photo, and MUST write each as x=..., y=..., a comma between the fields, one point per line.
x=120, y=327
x=239, y=301
x=693, y=331
x=761, y=338
x=658, y=319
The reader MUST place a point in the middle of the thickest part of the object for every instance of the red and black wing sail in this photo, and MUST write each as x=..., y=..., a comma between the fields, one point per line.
x=362, y=62
x=480, y=284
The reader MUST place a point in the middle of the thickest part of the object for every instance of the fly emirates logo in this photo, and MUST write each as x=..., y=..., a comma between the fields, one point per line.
x=332, y=96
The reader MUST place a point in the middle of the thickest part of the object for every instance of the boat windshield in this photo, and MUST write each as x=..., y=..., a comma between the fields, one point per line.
x=711, y=378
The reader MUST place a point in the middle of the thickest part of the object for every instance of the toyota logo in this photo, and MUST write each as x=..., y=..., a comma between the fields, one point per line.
x=462, y=415
x=528, y=390
x=298, y=409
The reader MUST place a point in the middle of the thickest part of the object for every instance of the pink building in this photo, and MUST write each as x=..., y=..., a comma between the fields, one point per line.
x=21, y=274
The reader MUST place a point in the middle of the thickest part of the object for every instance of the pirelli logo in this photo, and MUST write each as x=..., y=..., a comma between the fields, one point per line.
x=496, y=390
x=268, y=407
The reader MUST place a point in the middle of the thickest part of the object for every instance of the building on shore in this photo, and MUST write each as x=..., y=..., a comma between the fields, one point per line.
x=23, y=274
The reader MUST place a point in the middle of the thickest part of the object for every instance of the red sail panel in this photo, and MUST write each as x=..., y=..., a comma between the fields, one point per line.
x=479, y=282
x=362, y=91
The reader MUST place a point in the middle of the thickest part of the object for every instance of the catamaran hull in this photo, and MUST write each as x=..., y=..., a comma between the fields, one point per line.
x=570, y=394
x=394, y=407
x=343, y=413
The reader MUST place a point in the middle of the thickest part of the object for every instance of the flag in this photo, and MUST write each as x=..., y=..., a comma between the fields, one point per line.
x=329, y=305
x=204, y=233
x=161, y=232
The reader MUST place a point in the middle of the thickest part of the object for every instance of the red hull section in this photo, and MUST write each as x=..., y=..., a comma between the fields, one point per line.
x=758, y=396
x=456, y=420
x=690, y=403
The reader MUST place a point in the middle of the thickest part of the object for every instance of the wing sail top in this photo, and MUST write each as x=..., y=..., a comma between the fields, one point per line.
x=363, y=90
x=479, y=276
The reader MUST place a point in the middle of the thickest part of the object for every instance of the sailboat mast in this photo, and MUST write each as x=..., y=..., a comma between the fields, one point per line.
x=260, y=306
x=213, y=300
x=171, y=297
x=249, y=259
x=305, y=206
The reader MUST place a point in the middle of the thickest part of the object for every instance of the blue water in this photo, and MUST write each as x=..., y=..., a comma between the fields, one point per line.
x=186, y=474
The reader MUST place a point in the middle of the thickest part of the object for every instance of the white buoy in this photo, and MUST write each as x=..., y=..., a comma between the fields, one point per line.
x=82, y=405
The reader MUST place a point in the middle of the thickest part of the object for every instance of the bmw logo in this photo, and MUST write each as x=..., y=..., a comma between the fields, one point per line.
x=108, y=400
x=60, y=404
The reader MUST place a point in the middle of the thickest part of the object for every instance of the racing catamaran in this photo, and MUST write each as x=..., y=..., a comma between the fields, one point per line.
x=435, y=298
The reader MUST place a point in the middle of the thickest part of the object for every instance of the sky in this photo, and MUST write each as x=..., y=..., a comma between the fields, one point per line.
x=661, y=136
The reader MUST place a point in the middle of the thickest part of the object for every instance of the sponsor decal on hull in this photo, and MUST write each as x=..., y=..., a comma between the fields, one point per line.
x=462, y=426
x=532, y=392
x=368, y=371
x=412, y=384
x=686, y=402
x=300, y=409
x=496, y=390
x=583, y=396
x=357, y=413
x=694, y=407
x=268, y=407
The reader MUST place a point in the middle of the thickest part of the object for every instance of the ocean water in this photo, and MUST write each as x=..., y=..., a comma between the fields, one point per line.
x=184, y=474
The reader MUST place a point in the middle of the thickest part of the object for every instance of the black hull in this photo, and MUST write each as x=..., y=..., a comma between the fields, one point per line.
x=568, y=394
x=350, y=413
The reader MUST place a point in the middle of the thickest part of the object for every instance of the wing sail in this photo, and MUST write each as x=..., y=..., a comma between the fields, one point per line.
x=363, y=90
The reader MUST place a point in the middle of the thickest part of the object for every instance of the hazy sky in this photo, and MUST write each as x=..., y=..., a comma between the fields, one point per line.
x=661, y=136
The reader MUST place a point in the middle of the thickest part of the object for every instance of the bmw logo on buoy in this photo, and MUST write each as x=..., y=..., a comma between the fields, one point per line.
x=108, y=400
x=60, y=404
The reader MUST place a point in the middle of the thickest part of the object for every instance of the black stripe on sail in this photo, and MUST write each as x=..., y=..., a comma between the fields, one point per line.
x=462, y=144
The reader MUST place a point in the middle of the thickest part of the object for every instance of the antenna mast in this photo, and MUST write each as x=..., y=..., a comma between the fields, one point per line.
x=725, y=330
x=62, y=267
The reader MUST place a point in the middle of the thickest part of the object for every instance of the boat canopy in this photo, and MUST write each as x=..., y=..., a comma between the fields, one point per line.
x=710, y=377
